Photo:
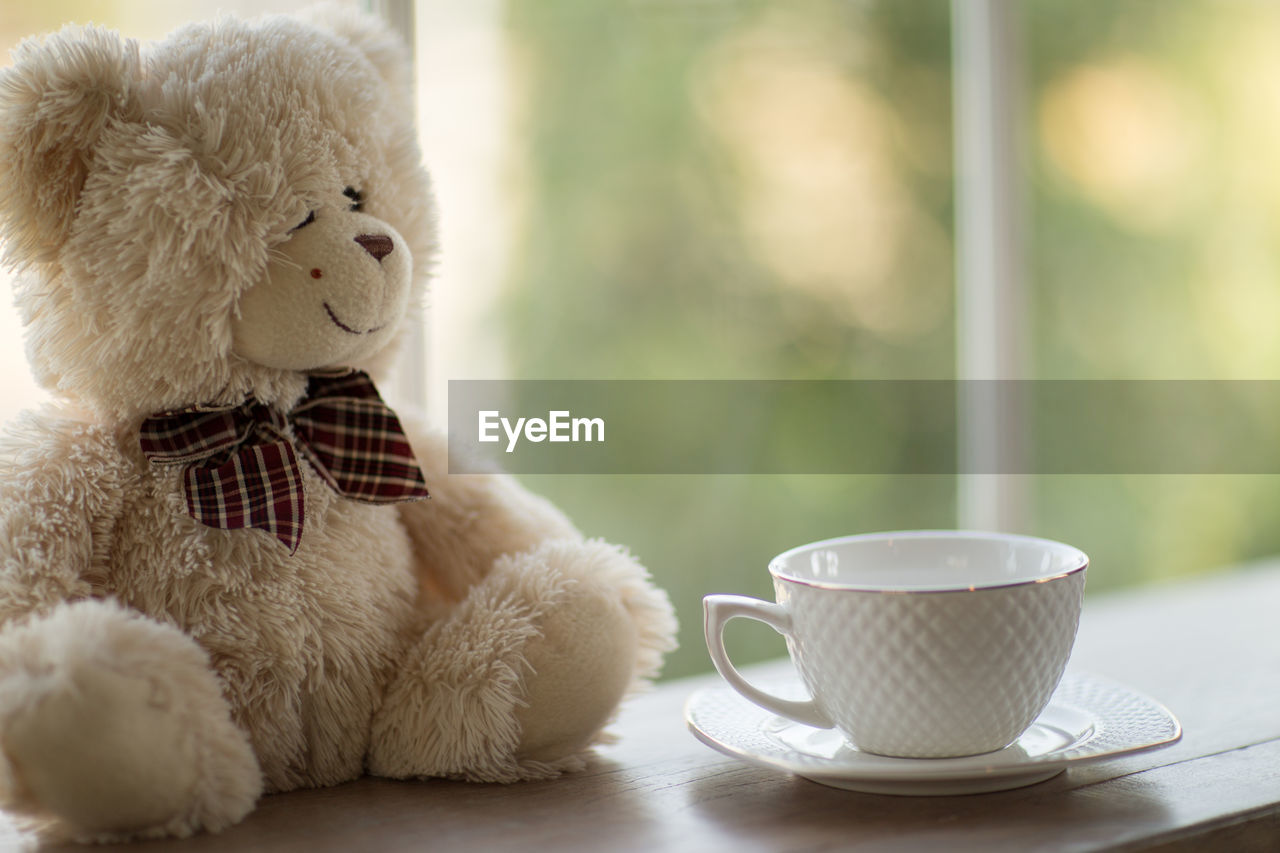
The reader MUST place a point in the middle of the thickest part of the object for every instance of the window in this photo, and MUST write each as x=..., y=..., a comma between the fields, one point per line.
x=763, y=189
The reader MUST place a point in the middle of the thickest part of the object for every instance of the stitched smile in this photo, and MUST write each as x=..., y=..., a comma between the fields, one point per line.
x=344, y=327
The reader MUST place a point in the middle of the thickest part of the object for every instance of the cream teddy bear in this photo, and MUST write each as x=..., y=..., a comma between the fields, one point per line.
x=226, y=567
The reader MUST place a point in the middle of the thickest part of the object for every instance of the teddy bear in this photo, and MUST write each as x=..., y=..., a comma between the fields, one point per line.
x=227, y=566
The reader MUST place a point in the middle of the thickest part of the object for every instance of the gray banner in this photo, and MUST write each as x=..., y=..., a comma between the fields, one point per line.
x=863, y=427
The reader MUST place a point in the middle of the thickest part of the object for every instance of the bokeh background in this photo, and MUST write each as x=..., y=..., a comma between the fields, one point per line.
x=763, y=189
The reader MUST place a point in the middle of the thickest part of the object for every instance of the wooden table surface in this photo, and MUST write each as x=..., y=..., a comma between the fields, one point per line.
x=1208, y=649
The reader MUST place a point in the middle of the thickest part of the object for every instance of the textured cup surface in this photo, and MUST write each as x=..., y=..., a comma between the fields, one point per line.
x=926, y=644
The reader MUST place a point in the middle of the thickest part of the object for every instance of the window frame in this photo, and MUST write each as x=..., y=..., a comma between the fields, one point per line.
x=992, y=297
x=411, y=368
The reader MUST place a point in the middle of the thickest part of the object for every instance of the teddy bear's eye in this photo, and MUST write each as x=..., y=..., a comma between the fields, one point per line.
x=357, y=198
x=311, y=217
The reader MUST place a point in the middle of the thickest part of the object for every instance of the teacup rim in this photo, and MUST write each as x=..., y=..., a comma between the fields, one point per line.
x=776, y=570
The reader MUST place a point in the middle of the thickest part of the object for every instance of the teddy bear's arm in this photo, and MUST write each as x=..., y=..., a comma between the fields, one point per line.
x=60, y=496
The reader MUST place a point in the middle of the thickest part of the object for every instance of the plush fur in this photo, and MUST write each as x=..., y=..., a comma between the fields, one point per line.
x=185, y=217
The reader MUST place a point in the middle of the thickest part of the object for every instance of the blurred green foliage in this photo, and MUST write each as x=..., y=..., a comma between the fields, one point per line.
x=1154, y=189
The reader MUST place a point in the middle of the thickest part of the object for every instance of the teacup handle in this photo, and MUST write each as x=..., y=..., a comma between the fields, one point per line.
x=718, y=610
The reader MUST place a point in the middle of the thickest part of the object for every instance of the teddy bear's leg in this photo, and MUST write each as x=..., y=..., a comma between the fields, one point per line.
x=521, y=676
x=115, y=726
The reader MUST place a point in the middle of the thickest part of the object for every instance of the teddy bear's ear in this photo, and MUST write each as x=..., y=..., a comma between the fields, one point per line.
x=385, y=49
x=55, y=101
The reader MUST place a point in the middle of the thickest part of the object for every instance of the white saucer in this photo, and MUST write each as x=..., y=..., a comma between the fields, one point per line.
x=1087, y=720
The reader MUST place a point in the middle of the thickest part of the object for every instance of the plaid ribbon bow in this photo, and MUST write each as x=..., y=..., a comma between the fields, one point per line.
x=242, y=470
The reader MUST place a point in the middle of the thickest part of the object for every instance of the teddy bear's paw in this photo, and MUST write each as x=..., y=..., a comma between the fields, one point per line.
x=115, y=726
x=519, y=680
x=603, y=641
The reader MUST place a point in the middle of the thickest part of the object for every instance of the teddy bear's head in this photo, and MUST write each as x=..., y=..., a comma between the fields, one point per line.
x=215, y=215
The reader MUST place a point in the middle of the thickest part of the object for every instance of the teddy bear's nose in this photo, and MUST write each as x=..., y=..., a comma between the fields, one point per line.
x=378, y=245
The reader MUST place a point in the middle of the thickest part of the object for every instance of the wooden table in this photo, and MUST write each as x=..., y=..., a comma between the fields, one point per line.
x=1209, y=649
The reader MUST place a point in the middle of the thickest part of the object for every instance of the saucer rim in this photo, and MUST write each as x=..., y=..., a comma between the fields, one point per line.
x=926, y=770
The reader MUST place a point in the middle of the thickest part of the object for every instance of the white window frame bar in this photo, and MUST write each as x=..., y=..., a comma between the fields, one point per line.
x=992, y=298
x=411, y=372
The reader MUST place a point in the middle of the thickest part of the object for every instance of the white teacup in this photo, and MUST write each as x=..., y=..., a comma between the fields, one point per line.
x=917, y=644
